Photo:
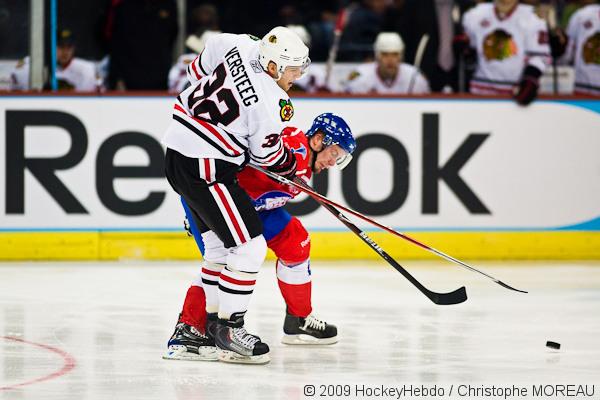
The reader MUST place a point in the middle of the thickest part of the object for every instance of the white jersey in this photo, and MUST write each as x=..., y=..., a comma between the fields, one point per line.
x=365, y=79
x=584, y=49
x=232, y=109
x=79, y=75
x=505, y=46
x=178, y=79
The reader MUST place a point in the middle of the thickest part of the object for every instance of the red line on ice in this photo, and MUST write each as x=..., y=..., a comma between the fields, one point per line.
x=69, y=363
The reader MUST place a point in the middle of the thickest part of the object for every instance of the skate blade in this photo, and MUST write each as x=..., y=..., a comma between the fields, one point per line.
x=207, y=353
x=235, y=358
x=304, y=340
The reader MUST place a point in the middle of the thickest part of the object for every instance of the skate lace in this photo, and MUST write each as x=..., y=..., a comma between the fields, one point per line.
x=313, y=322
x=244, y=338
x=197, y=333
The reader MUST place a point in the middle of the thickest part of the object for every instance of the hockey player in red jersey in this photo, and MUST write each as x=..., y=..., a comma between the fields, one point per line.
x=328, y=142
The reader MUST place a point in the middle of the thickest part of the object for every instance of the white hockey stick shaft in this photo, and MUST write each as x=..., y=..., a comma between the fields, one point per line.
x=418, y=59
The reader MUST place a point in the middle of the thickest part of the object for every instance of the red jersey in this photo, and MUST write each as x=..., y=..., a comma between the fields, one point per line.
x=267, y=194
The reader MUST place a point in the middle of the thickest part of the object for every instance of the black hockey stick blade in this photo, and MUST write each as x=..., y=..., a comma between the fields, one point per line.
x=509, y=287
x=456, y=297
x=444, y=299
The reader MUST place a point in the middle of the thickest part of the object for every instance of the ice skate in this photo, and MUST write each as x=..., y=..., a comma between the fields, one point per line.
x=238, y=346
x=309, y=330
x=187, y=343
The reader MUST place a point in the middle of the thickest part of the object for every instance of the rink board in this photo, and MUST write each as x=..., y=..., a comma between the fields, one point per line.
x=325, y=246
x=82, y=179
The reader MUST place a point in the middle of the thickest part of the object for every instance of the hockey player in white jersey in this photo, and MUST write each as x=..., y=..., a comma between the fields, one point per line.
x=72, y=73
x=583, y=49
x=388, y=74
x=233, y=113
x=512, y=48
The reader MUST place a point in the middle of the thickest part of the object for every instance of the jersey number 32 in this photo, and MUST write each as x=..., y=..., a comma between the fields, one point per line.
x=201, y=105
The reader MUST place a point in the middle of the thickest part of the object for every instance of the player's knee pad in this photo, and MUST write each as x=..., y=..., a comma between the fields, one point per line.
x=292, y=244
x=214, y=249
x=295, y=274
x=248, y=257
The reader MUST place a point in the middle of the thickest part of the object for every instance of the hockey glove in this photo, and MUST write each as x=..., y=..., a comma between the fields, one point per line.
x=527, y=90
x=286, y=167
x=558, y=42
x=462, y=48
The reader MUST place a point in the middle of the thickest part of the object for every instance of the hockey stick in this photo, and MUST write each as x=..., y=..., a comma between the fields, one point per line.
x=456, y=17
x=340, y=23
x=456, y=297
x=550, y=26
x=418, y=58
x=324, y=199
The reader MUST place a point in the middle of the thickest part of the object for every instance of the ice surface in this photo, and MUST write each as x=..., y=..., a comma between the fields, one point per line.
x=98, y=330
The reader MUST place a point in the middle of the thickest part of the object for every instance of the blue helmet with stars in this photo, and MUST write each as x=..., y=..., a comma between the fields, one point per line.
x=335, y=131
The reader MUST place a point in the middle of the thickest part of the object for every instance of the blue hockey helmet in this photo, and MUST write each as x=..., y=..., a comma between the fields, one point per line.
x=335, y=131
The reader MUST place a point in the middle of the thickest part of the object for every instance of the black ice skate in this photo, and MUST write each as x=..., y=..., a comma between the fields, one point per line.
x=187, y=343
x=211, y=325
x=309, y=330
x=238, y=346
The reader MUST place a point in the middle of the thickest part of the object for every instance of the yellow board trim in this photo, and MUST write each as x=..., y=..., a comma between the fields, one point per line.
x=547, y=245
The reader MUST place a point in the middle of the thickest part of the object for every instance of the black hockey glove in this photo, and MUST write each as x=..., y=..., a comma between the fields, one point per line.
x=286, y=167
x=527, y=90
x=558, y=42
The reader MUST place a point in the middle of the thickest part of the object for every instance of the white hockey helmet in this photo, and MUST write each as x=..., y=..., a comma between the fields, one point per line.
x=285, y=48
x=388, y=42
x=196, y=43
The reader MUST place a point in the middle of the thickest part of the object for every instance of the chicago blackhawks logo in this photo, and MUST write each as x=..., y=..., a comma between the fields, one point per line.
x=287, y=110
x=499, y=45
x=591, y=50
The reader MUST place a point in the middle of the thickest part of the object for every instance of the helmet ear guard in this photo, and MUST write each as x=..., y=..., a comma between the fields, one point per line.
x=285, y=48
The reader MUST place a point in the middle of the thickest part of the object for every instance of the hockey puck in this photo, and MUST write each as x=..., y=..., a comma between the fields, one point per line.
x=553, y=345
